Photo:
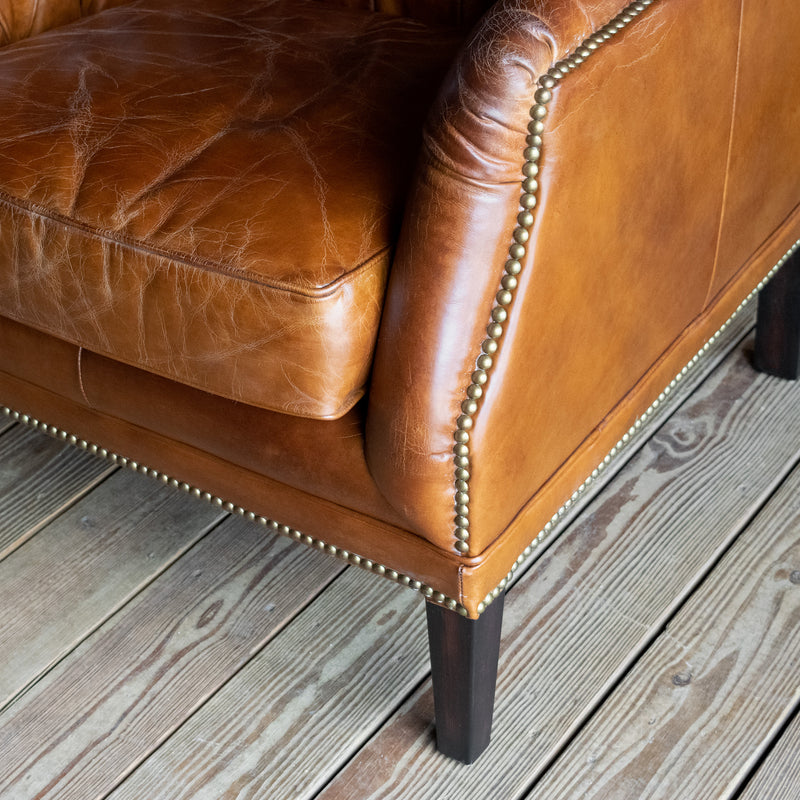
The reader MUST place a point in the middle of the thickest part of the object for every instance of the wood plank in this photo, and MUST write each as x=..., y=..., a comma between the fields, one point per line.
x=307, y=726
x=6, y=423
x=778, y=778
x=115, y=698
x=39, y=477
x=294, y=714
x=71, y=577
x=596, y=599
x=705, y=701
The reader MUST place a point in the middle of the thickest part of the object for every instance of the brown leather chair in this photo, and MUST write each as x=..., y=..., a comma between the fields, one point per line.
x=392, y=288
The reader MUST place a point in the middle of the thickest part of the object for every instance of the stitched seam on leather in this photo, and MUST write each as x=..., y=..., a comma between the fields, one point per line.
x=728, y=157
x=321, y=293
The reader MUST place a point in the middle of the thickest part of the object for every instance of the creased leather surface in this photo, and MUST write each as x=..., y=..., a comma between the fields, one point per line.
x=22, y=18
x=210, y=192
x=636, y=185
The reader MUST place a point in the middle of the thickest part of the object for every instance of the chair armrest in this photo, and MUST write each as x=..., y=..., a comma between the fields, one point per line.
x=20, y=19
x=455, y=241
x=533, y=377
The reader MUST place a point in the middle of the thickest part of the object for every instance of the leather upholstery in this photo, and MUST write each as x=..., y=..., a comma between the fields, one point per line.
x=22, y=18
x=661, y=203
x=204, y=221
x=617, y=289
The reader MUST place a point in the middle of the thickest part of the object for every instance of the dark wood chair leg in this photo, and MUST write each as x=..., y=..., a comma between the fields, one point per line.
x=464, y=654
x=778, y=326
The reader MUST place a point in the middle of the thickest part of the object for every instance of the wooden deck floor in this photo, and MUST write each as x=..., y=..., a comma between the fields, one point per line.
x=152, y=647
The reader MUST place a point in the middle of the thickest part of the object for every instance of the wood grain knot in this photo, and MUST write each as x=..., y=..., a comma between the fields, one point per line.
x=682, y=679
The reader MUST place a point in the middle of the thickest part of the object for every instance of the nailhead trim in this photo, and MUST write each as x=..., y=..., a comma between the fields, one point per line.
x=372, y=566
x=276, y=527
x=483, y=363
x=633, y=432
x=513, y=267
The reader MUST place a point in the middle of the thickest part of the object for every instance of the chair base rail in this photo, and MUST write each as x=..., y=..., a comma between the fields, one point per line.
x=464, y=656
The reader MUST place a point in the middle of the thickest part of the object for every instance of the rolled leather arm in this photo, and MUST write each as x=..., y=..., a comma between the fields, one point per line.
x=455, y=241
x=20, y=19
x=531, y=344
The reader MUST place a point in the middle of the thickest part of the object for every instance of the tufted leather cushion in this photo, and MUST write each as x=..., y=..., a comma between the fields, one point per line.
x=211, y=192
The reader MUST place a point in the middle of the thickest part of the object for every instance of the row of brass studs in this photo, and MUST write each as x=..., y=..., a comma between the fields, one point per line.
x=283, y=530
x=372, y=566
x=632, y=433
x=513, y=266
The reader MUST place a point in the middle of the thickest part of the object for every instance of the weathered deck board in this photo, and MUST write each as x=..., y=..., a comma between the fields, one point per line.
x=39, y=477
x=294, y=714
x=778, y=778
x=596, y=599
x=704, y=702
x=132, y=683
x=163, y=692
x=80, y=569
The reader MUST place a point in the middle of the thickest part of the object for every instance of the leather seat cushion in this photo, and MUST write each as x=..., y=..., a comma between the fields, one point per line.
x=210, y=192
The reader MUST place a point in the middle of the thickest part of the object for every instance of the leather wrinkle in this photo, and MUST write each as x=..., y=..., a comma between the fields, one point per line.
x=436, y=163
x=80, y=378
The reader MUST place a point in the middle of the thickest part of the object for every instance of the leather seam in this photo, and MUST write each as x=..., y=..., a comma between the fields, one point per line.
x=322, y=292
x=728, y=158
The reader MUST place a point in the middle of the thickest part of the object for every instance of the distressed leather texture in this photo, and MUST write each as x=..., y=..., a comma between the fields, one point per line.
x=171, y=203
x=173, y=288
x=20, y=19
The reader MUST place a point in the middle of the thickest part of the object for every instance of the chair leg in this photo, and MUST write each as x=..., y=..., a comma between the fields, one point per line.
x=778, y=326
x=464, y=654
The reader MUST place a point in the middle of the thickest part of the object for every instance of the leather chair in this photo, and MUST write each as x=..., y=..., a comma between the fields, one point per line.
x=396, y=288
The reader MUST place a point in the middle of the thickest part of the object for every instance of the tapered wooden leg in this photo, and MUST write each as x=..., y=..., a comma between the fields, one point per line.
x=778, y=326
x=464, y=654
